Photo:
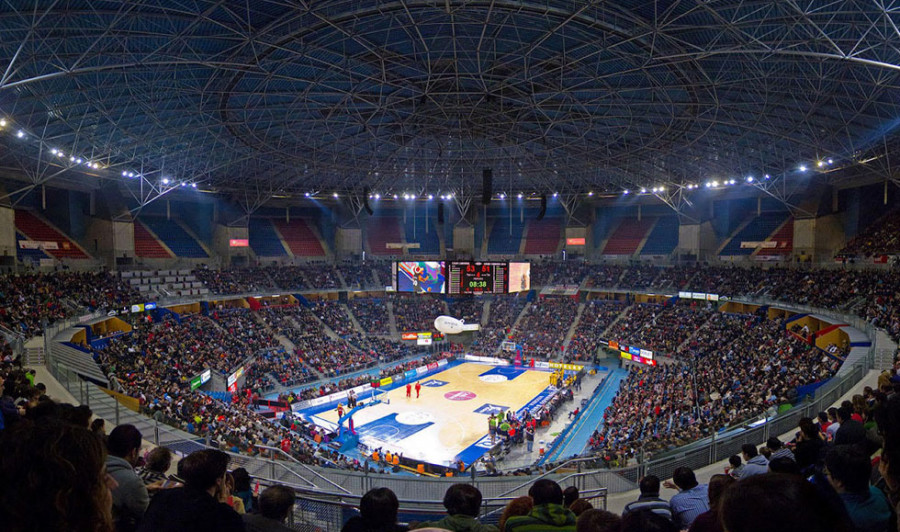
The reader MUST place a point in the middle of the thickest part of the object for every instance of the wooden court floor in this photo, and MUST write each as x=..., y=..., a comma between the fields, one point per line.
x=449, y=416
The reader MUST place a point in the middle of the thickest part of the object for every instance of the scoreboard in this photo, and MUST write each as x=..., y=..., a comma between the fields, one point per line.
x=477, y=277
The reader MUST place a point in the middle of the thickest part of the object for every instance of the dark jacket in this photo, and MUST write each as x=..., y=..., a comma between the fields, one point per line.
x=358, y=524
x=260, y=523
x=183, y=509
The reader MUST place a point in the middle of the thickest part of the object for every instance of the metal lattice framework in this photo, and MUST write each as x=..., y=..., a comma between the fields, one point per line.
x=280, y=97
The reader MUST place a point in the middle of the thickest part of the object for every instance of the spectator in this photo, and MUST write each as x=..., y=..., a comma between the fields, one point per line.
x=242, y=487
x=593, y=520
x=784, y=465
x=548, y=513
x=778, y=449
x=709, y=521
x=850, y=432
x=156, y=464
x=579, y=506
x=833, y=423
x=275, y=505
x=130, y=496
x=647, y=521
x=810, y=448
x=848, y=470
x=691, y=500
x=194, y=507
x=649, y=499
x=226, y=495
x=756, y=463
x=778, y=503
x=520, y=506
x=570, y=495
x=735, y=466
x=52, y=477
x=463, y=503
x=377, y=513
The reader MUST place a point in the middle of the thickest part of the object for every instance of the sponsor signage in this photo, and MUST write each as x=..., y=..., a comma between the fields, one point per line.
x=137, y=308
x=575, y=241
x=409, y=336
x=36, y=244
x=566, y=367
x=150, y=306
x=238, y=243
x=423, y=338
x=201, y=379
x=235, y=376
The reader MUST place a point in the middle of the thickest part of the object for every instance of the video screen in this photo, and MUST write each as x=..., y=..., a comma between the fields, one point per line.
x=421, y=277
x=519, y=276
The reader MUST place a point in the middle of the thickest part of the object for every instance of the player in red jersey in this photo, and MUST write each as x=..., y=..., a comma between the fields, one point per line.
x=418, y=387
x=408, y=390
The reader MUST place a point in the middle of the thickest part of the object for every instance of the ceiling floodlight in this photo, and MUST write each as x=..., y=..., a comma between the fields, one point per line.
x=165, y=181
x=802, y=167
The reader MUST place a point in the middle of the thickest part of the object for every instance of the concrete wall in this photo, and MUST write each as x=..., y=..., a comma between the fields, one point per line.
x=464, y=239
x=222, y=234
x=7, y=231
x=348, y=241
x=818, y=238
x=108, y=240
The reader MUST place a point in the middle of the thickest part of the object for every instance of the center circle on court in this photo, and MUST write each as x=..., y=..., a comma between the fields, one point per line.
x=493, y=378
x=459, y=396
x=414, y=418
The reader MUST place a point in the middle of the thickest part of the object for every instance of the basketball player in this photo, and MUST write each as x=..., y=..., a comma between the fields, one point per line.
x=418, y=388
x=408, y=390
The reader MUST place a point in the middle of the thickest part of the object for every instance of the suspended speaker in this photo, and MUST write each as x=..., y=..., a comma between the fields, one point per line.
x=440, y=213
x=487, y=186
x=366, y=201
x=543, y=210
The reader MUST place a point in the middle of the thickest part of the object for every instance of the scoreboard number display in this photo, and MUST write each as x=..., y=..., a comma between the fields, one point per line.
x=477, y=277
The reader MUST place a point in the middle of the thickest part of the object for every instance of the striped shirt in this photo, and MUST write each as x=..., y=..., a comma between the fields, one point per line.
x=649, y=502
x=688, y=504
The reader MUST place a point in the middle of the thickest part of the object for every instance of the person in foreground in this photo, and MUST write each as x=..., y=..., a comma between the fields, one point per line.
x=275, y=504
x=195, y=506
x=377, y=513
x=548, y=513
x=463, y=502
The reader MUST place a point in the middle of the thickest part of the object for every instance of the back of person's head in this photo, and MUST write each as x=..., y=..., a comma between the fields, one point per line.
x=844, y=413
x=52, y=478
x=462, y=499
x=241, y=479
x=808, y=428
x=717, y=486
x=123, y=440
x=202, y=469
x=546, y=491
x=579, y=506
x=378, y=507
x=649, y=485
x=778, y=503
x=684, y=478
x=735, y=460
x=784, y=464
x=159, y=460
x=749, y=449
x=647, y=521
x=594, y=520
x=570, y=495
x=276, y=502
x=516, y=507
x=774, y=443
x=823, y=417
x=848, y=469
x=832, y=413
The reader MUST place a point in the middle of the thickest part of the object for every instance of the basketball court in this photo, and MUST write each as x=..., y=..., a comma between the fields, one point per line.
x=448, y=421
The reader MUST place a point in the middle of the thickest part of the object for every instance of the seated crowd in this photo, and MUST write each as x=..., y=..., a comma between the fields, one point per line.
x=736, y=368
x=596, y=317
x=416, y=313
x=27, y=300
x=543, y=328
x=372, y=315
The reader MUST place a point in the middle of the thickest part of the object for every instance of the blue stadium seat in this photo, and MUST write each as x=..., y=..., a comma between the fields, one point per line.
x=500, y=241
x=429, y=243
x=663, y=239
x=264, y=240
x=175, y=237
x=756, y=231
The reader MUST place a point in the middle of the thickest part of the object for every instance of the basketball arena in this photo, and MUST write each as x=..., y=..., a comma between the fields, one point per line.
x=381, y=249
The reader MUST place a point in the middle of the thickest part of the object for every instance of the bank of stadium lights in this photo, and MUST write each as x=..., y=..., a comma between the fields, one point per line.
x=3, y=122
x=430, y=197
